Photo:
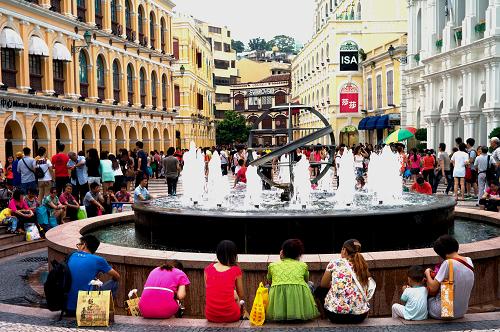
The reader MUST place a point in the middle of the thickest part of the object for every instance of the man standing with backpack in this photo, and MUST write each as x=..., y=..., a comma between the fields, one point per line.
x=26, y=166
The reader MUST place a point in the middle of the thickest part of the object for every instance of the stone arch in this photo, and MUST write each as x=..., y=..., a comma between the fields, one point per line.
x=132, y=138
x=166, y=139
x=156, y=140
x=14, y=137
x=146, y=139
x=104, y=138
x=39, y=136
x=87, y=137
x=63, y=136
x=119, y=138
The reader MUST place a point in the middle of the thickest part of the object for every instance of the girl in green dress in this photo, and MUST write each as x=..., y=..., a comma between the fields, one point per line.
x=290, y=297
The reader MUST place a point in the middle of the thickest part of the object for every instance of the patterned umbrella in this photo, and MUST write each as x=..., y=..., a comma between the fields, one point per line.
x=411, y=129
x=398, y=136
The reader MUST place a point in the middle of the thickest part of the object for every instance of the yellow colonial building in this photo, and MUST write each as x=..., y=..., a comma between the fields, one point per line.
x=193, y=84
x=250, y=70
x=225, y=72
x=382, y=90
x=327, y=74
x=87, y=74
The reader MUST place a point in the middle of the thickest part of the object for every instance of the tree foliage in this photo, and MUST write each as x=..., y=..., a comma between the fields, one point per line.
x=495, y=133
x=238, y=46
x=258, y=44
x=286, y=44
x=421, y=134
x=232, y=129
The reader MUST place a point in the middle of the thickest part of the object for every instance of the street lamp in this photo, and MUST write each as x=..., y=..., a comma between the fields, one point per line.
x=391, y=50
x=87, y=37
x=183, y=70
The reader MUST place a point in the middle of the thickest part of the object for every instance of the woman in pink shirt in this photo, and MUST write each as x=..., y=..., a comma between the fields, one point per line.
x=414, y=161
x=20, y=210
x=164, y=288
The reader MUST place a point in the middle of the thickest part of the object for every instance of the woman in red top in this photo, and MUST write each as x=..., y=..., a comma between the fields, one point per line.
x=429, y=164
x=224, y=285
x=9, y=175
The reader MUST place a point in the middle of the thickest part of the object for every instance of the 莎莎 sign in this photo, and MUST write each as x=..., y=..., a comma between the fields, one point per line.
x=349, y=97
x=9, y=103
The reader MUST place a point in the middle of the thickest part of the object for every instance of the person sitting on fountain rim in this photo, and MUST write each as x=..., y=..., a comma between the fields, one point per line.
x=421, y=186
x=241, y=175
x=93, y=200
x=414, y=296
x=141, y=193
x=491, y=198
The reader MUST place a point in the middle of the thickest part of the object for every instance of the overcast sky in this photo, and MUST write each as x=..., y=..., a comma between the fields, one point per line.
x=255, y=18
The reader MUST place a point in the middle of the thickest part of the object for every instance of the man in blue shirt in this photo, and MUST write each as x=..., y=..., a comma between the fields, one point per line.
x=79, y=177
x=26, y=166
x=141, y=193
x=84, y=267
x=142, y=163
x=17, y=175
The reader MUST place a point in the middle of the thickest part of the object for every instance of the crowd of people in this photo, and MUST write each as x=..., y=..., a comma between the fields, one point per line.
x=343, y=294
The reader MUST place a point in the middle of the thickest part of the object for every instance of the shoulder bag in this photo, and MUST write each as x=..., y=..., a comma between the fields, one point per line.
x=447, y=293
x=372, y=285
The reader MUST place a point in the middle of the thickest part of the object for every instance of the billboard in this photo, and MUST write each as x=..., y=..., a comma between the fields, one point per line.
x=349, y=56
x=349, y=97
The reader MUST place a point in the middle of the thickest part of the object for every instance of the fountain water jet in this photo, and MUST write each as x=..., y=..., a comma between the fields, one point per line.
x=347, y=179
x=384, y=179
x=302, y=182
x=253, y=195
x=217, y=185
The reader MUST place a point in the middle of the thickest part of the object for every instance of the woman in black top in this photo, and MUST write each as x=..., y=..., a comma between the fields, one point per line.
x=92, y=162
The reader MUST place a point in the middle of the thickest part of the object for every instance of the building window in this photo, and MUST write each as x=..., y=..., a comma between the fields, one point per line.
x=114, y=18
x=253, y=103
x=142, y=83
x=154, y=84
x=390, y=87
x=221, y=64
x=233, y=64
x=214, y=30
x=55, y=5
x=280, y=98
x=128, y=21
x=177, y=96
x=9, y=71
x=228, y=34
x=58, y=67
x=227, y=48
x=130, y=84
x=222, y=98
x=140, y=24
x=98, y=14
x=35, y=67
x=116, y=81
x=217, y=46
x=101, y=84
x=379, y=91
x=224, y=81
x=164, y=91
x=200, y=101
x=199, y=60
x=267, y=102
x=239, y=102
x=369, y=94
x=152, y=30
x=162, y=35
x=176, y=48
x=81, y=10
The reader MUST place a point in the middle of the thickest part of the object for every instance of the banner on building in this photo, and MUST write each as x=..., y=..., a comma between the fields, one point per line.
x=349, y=56
x=349, y=96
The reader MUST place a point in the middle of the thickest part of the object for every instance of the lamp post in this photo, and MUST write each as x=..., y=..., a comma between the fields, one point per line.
x=87, y=37
x=391, y=50
x=183, y=70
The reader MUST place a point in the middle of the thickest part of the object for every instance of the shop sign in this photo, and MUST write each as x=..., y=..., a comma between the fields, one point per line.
x=8, y=103
x=349, y=56
x=349, y=96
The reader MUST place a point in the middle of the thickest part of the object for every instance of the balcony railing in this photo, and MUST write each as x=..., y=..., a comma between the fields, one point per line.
x=9, y=77
x=266, y=106
x=116, y=94
x=100, y=92
x=253, y=107
x=36, y=82
x=81, y=13
x=115, y=28
x=130, y=34
x=59, y=86
x=84, y=90
x=98, y=20
x=55, y=5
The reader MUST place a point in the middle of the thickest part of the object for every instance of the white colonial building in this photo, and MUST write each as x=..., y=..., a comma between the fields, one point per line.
x=452, y=79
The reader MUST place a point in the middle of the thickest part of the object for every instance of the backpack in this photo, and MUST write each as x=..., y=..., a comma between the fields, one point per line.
x=58, y=285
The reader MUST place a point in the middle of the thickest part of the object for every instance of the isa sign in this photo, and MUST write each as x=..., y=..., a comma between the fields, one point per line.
x=349, y=56
x=349, y=97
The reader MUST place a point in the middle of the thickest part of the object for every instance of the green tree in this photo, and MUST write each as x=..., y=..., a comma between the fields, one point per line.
x=258, y=44
x=495, y=133
x=233, y=128
x=421, y=134
x=286, y=44
x=238, y=46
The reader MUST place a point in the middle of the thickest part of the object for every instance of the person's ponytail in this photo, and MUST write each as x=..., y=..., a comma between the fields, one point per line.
x=360, y=267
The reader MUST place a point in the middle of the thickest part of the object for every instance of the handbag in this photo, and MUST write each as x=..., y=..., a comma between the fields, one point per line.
x=132, y=304
x=259, y=307
x=94, y=308
x=82, y=213
x=372, y=285
x=447, y=294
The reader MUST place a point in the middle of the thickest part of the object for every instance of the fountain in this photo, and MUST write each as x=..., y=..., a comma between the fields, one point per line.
x=384, y=180
x=217, y=184
x=302, y=183
x=193, y=175
x=253, y=196
x=347, y=180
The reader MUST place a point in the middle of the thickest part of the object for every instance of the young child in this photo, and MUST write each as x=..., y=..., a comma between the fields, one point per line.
x=109, y=199
x=414, y=296
x=123, y=196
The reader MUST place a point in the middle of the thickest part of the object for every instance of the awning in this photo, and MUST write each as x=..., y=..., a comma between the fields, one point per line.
x=11, y=39
x=371, y=123
x=38, y=47
x=382, y=122
x=61, y=52
x=362, y=123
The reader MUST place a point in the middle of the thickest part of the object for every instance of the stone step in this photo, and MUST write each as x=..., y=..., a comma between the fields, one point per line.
x=20, y=247
x=11, y=238
x=3, y=229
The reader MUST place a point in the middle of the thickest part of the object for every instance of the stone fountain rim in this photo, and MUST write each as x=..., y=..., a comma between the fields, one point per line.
x=63, y=239
x=440, y=202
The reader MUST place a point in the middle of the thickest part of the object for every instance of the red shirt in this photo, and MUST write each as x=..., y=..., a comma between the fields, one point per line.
x=66, y=198
x=60, y=161
x=220, y=306
x=424, y=189
x=428, y=163
x=242, y=174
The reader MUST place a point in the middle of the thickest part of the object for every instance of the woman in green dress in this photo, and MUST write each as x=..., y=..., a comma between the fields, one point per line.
x=290, y=297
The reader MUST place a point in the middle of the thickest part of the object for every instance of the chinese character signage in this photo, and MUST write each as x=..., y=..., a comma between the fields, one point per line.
x=349, y=56
x=349, y=96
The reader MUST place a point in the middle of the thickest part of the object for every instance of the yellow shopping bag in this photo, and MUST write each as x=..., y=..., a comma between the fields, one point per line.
x=258, y=313
x=447, y=294
x=95, y=308
x=133, y=303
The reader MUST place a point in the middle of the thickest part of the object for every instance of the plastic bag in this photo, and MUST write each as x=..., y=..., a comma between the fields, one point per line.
x=81, y=214
x=258, y=313
x=32, y=232
x=42, y=215
x=52, y=222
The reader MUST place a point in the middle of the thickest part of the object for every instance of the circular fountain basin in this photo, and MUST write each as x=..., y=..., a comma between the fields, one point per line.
x=414, y=223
